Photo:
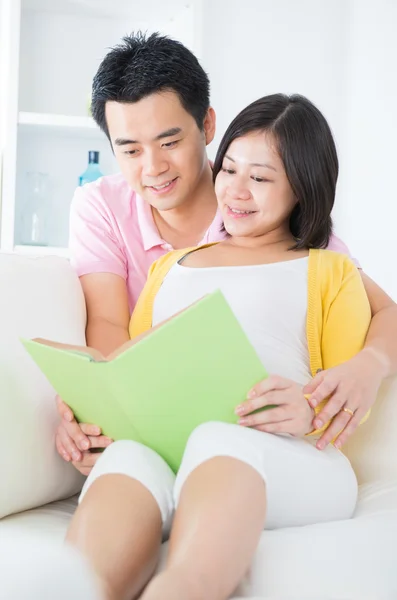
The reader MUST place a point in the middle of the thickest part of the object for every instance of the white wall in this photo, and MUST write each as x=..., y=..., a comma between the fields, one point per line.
x=342, y=54
x=260, y=47
x=368, y=213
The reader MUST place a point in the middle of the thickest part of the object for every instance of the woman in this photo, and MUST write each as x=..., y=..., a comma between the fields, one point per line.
x=303, y=309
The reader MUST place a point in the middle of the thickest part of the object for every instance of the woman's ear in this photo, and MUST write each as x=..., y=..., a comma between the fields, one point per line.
x=209, y=125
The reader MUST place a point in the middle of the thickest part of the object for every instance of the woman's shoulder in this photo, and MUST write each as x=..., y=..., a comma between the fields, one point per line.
x=332, y=260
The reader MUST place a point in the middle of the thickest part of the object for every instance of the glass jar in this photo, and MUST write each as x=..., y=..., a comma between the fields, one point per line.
x=35, y=211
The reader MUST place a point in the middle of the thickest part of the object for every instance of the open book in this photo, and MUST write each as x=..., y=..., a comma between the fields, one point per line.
x=194, y=368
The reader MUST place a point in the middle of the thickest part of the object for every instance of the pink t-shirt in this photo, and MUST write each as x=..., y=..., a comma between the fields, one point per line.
x=112, y=231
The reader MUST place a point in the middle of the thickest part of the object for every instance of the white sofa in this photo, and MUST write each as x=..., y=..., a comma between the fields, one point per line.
x=350, y=559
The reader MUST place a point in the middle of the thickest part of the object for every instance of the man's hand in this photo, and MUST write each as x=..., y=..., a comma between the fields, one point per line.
x=290, y=412
x=74, y=441
x=353, y=385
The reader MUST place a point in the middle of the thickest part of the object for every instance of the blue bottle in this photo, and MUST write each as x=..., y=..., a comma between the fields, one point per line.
x=92, y=172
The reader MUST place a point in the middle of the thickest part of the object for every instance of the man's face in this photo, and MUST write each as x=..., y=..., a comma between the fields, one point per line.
x=159, y=147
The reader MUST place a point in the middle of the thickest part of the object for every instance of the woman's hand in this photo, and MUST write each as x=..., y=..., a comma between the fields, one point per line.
x=290, y=412
x=353, y=385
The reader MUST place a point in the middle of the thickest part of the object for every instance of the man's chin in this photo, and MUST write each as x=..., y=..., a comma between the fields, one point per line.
x=162, y=204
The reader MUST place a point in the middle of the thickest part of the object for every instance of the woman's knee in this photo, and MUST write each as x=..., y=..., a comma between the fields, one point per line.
x=216, y=439
x=142, y=464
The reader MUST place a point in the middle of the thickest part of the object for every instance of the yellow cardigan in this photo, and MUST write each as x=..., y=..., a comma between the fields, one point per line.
x=338, y=311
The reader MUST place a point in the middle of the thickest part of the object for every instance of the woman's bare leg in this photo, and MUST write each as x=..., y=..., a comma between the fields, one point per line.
x=216, y=530
x=118, y=527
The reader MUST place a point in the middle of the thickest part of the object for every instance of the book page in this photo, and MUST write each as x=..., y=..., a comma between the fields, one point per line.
x=92, y=352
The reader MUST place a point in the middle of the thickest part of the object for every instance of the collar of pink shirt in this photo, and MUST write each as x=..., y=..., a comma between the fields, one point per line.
x=150, y=234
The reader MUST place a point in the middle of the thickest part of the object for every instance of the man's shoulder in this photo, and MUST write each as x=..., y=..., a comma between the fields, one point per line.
x=108, y=194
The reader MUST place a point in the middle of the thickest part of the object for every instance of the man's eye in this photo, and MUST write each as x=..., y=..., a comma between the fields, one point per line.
x=130, y=152
x=170, y=144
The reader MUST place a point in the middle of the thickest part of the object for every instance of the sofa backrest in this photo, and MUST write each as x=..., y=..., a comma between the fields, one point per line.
x=372, y=449
x=39, y=297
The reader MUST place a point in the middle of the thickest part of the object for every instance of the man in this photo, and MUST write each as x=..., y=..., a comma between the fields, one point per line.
x=151, y=98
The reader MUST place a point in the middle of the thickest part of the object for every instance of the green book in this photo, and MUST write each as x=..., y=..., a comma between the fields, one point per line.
x=194, y=368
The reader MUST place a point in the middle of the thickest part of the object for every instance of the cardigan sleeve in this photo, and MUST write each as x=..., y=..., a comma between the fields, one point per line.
x=346, y=319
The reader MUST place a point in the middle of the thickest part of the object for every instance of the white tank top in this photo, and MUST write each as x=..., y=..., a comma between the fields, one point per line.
x=269, y=301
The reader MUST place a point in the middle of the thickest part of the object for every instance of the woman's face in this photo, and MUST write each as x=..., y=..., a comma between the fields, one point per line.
x=254, y=194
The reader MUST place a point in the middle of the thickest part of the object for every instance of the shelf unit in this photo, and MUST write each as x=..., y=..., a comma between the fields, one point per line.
x=58, y=124
x=45, y=87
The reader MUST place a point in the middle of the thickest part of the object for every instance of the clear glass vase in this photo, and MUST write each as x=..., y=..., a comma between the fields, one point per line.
x=35, y=211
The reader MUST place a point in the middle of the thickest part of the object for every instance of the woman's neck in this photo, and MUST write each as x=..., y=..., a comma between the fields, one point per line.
x=279, y=239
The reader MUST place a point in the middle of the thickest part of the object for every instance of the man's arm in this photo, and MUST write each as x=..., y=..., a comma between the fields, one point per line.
x=355, y=383
x=107, y=311
x=382, y=334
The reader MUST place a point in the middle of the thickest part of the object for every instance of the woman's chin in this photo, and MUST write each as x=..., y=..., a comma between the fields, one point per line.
x=237, y=228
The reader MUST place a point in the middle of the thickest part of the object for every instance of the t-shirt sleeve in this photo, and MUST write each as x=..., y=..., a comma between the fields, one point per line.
x=337, y=245
x=93, y=243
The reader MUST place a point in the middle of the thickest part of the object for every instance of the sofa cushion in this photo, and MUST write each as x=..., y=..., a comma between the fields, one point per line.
x=351, y=559
x=40, y=297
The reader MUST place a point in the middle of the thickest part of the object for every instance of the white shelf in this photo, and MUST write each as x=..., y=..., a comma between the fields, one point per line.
x=42, y=251
x=60, y=124
x=136, y=10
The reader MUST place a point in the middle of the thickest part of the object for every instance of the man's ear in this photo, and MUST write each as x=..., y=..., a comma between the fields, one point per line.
x=209, y=125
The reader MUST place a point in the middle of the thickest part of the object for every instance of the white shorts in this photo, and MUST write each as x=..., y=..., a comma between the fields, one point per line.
x=303, y=485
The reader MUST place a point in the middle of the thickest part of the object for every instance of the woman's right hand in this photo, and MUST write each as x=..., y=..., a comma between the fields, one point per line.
x=74, y=441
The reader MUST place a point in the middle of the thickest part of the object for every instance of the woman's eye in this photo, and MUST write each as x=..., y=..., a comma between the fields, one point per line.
x=259, y=179
x=228, y=171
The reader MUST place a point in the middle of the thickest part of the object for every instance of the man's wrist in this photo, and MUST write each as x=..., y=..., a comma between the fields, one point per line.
x=378, y=361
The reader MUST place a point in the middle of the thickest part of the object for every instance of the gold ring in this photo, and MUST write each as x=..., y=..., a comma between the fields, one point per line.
x=349, y=411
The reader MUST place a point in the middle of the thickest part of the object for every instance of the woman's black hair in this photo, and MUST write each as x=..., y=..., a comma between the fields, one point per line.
x=307, y=149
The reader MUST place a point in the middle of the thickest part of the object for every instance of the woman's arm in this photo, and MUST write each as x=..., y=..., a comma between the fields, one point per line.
x=355, y=383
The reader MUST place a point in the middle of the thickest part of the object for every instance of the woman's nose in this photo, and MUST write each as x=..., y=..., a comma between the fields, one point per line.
x=239, y=192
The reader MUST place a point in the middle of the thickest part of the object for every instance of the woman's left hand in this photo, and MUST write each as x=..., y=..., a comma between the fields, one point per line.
x=291, y=413
x=353, y=385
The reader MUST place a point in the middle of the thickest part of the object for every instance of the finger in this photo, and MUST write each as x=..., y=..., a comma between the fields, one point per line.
x=89, y=429
x=330, y=410
x=280, y=427
x=249, y=406
x=65, y=412
x=68, y=444
x=312, y=385
x=89, y=460
x=74, y=431
x=336, y=427
x=273, y=382
x=264, y=417
x=61, y=450
x=348, y=430
x=323, y=391
x=100, y=441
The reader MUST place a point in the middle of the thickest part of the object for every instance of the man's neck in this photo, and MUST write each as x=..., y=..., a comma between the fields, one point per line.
x=186, y=225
